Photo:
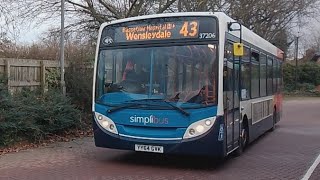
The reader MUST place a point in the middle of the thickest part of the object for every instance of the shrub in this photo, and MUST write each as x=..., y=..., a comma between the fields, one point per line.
x=33, y=116
x=289, y=77
x=308, y=76
x=79, y=77
x=306, y=87
x=309, y=73
x=53, y=78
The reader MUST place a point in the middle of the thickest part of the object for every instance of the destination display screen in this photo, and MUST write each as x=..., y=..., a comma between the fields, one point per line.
x=174, y=28
x=186, y=29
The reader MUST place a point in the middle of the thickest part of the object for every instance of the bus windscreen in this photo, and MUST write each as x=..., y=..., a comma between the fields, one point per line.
x=157, y=29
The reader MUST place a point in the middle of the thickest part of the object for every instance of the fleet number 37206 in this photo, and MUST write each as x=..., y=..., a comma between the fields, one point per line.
x=207, y=35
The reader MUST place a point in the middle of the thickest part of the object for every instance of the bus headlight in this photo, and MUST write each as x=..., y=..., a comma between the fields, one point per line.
x=199, y=127
x=106, y=123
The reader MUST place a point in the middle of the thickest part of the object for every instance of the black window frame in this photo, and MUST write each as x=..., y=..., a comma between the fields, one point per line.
x=257, y=60
x=248, y=63
x=275, y=75
x=264, y=92
x=269, y=85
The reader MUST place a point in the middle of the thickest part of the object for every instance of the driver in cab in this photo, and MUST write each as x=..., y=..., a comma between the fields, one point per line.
x=134, y=77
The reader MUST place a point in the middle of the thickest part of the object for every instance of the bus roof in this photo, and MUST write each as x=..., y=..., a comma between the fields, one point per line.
x=178, y=14
x=247, y=34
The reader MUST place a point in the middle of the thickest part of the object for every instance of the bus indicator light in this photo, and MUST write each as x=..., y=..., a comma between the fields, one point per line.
x=192, y=132
x=199, y=127
x=106, y=123
x=208, y=122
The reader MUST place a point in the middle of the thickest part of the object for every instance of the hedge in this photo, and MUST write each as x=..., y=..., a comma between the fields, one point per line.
x=33, y=116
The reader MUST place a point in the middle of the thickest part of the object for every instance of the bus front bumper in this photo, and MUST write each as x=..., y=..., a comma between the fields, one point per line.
x=204, y=145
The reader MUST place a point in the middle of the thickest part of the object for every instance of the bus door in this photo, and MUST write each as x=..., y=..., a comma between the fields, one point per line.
x=231, y=98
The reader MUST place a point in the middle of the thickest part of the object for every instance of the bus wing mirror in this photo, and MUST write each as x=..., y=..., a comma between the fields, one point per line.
x=238, y=49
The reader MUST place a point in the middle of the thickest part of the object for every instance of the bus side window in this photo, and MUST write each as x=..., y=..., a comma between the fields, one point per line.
x=275, y=75
x=245, y=75
x=263, y=75
x=228, y=76
x=255, y=75
x=269, y=76
x=278, y=76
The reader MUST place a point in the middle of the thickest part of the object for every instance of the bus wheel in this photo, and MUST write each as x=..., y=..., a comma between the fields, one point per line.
x=242, y=141
x=274, y=120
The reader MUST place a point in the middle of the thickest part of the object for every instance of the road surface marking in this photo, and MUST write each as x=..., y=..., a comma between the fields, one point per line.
x=311, y=169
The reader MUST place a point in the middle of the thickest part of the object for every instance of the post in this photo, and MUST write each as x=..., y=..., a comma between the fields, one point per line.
x=42, y=76
x=63, y=84
x=7, y=72
x=296, y=59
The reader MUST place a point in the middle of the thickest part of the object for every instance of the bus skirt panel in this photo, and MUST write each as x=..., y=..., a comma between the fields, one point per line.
x=260, y=128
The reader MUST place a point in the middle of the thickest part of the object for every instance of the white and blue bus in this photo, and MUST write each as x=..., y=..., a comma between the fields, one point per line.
x=184, y=83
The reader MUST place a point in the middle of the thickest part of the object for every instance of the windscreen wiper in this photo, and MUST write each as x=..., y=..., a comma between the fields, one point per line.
x=131, y=104
x=122, y=107
x=138, y=104
x=178, y=108
x=167, y=102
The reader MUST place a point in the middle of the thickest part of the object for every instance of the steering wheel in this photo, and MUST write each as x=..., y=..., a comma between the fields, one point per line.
x=132, y=86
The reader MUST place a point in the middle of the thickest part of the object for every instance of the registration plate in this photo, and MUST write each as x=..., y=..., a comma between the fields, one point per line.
x=148, y=148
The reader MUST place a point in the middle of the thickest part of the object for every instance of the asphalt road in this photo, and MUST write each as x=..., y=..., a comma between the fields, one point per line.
x=287, y=153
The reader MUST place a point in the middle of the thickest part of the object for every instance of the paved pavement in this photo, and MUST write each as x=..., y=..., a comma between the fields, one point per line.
x=286, y=153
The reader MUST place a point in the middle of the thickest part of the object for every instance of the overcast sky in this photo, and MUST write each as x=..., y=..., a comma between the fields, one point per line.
x=307, y=33
x=31, y=35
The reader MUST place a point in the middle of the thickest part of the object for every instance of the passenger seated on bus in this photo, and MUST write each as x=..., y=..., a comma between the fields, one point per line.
x=205, y=95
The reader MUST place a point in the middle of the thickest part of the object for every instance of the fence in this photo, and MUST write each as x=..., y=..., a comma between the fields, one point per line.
x=26, y=73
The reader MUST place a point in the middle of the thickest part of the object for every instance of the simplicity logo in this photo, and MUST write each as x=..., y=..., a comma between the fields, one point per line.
x=148, y=120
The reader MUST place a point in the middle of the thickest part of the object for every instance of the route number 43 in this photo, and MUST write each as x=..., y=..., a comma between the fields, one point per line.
x=189, y=29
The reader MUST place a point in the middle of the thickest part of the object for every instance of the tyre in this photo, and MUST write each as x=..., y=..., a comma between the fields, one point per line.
x=243, y=141
x=274, y=120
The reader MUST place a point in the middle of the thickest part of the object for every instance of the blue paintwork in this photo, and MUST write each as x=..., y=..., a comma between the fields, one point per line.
x=174, y=128
x=206, y=144
x=171, y=124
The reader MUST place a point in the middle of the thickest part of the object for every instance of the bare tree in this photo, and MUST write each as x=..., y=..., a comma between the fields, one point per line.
x=202, y=5
x=271, y=19
x=314, y=41
x=265, y=17
x=88, y=15
x=8, y=28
